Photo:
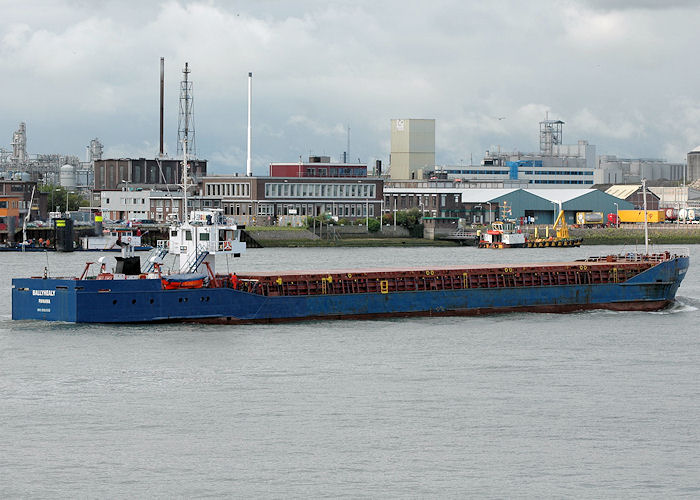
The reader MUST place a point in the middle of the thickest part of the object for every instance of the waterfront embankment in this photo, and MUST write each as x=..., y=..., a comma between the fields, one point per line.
x=666, y=234
x=659, y=234
x=302, y=237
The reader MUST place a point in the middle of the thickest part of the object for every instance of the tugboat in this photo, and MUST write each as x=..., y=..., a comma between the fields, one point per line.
x=502, y=234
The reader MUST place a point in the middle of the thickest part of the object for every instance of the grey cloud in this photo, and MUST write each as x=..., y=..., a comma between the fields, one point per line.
x=610, y=5
x=76, y=70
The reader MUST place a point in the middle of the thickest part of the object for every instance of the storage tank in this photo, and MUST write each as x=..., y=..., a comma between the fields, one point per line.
x=682, y=214
x=68, y=176
x=590, y=218
x=21, y=176
x=691, y=214
x=671, y=214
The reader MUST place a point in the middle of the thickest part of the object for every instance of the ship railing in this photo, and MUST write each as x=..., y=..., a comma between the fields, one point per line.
x=658, y=256
x=678, y=251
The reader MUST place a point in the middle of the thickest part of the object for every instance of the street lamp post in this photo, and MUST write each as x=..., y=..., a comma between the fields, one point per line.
x=54, y=207
x=617, y=215
x=489, y=218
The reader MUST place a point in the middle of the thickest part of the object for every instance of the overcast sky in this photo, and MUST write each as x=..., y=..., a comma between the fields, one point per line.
x=622, y=75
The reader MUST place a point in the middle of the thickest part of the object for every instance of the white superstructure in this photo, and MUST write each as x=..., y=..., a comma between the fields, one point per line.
x=204, y=235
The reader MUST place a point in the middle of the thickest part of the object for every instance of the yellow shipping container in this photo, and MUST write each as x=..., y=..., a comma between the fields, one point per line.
x=637, y=216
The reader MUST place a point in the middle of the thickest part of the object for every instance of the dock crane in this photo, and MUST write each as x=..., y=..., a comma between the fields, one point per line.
x=559, y=236
x=26, y=219
x=559, y=226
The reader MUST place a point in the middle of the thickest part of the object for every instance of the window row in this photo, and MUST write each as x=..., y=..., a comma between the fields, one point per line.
x=240, y=189
x=335, y=209
x=312, y=190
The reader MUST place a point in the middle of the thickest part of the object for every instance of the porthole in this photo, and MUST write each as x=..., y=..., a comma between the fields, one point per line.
x=114, y=302
x=133, y=301
x=151, y=301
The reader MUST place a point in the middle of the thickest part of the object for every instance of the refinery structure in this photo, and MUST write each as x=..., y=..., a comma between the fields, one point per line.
x=53, y=168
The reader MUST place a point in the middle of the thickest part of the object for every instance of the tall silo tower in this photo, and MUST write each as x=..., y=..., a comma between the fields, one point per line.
x=68, y=180
x=412, y=147
x=693, y=168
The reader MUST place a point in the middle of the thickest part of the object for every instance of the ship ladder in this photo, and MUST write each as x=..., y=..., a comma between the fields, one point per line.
x=156, y=256
x=197, y=262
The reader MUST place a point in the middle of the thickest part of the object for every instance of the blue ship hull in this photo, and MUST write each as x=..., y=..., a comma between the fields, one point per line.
x=145, y=300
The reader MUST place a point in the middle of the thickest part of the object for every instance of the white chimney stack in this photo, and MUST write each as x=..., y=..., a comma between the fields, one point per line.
x=249, y=167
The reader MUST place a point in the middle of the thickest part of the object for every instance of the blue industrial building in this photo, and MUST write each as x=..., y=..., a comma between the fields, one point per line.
x=541, y=206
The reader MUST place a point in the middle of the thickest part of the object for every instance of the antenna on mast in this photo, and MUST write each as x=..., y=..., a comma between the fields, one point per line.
x=185, y=122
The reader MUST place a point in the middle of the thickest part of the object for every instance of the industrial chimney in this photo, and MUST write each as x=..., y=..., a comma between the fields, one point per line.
x=162, y=79
x=249, y=168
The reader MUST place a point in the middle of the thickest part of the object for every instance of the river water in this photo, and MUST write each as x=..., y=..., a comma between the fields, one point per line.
x=594, y=404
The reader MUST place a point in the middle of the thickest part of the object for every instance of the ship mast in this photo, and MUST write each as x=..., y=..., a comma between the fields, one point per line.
x=184, y=179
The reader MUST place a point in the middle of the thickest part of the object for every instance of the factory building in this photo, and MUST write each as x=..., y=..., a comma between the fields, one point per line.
x=676, y=196
x=635, y=194
x=111, y=174
x=614, y=170
x=318, y=166
x=555, y=165
x=15, y=201
x=412, y=148
x=479, y=206
x=268, y=198
x=137, y=204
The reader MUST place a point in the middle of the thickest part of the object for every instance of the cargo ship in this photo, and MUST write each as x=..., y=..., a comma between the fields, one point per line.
x=129, y=292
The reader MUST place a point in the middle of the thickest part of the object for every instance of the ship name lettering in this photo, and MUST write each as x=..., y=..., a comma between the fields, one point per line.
x=44, y=293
